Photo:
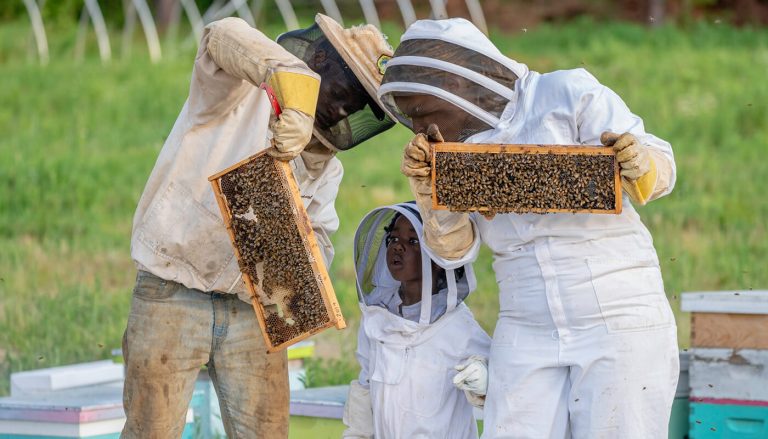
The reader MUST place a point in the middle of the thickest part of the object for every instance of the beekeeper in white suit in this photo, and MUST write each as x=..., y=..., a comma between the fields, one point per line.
x=190, y=307
x=585, y=345
x=419, y=345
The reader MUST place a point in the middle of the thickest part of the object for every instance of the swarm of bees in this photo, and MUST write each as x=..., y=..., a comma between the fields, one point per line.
x=519, y=182
x=271, y=250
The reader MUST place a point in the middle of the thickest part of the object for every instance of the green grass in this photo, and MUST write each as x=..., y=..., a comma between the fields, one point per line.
x=79, y=140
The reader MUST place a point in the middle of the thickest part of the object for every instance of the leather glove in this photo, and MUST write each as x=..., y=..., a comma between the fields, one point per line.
x=358, y=413
x=290, y=134
x=634, y=159
x=448, y=234
x=417, y=158
x=638, y=169
x=472, y=375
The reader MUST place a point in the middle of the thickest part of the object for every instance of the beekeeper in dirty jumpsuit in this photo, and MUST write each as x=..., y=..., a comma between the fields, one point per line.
x=185, y=311
x=585, y=344
x=419, y=345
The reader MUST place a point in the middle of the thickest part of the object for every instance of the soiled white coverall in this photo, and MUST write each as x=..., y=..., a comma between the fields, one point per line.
x=178, y=233
x=179, y=237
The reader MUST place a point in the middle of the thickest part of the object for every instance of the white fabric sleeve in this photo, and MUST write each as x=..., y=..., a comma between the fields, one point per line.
x=599, y=109
x=362, y=354
x=231, y=59
x=322, y=208
x=358, y=413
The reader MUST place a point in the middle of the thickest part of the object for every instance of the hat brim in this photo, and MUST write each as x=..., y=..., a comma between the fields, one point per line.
x=354, y=59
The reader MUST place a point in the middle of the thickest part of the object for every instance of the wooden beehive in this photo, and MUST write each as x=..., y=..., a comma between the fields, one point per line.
x=277, y=251
x=728, y=319
x=729, y=340
x=493, y=178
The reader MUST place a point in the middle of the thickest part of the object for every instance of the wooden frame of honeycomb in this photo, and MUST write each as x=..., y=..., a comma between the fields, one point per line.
x=592, y=184
x=290, y=305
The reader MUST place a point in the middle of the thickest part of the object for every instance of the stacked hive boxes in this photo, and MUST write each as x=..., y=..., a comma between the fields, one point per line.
x=729, y=364
x=76, y=401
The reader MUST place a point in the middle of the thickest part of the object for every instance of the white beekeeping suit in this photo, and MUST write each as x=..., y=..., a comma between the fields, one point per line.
x=407, y=354
x=585, y=345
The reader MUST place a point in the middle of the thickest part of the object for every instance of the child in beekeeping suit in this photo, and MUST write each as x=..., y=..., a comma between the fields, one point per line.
x=190, y=307
x=415, y=335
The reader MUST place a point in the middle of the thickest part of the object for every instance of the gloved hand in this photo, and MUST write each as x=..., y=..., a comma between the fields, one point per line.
x=290, y=134
x=417, y=158
x=449, y=234
x=358, y=413
x=633, y=157
x=473, y=375
x=638, y=170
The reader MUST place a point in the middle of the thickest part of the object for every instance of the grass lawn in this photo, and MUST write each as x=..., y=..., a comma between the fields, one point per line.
x=79, y=140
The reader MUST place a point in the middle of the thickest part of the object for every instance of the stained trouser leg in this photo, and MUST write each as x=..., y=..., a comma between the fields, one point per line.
x=252, y=386
x=166, y=341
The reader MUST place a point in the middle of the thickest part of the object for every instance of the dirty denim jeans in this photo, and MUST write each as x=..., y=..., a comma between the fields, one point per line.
x=172, y=331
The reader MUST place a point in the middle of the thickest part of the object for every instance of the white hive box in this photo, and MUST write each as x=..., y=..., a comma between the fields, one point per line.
x=65, y=377
x=729, y=341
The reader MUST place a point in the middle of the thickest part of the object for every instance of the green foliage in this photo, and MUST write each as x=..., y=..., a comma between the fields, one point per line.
x=322, y=372
x=79, y=141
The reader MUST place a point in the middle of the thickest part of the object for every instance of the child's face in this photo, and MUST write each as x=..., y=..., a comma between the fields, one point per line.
x=404, y=252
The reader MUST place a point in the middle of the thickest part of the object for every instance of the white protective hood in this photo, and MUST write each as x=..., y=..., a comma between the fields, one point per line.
x=430, y=50
x=376, y=287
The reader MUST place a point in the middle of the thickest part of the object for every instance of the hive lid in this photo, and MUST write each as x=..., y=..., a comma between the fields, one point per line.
x=738, y=302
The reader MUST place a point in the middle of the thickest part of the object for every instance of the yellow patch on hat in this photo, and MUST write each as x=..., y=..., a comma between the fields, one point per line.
x=381, y=63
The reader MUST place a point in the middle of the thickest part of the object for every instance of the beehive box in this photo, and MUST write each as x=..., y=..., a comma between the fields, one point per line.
x=728, y=421
x=728, y=319
x=279, y=258
x=730, y=345
x=525, y=178
x=733, y=374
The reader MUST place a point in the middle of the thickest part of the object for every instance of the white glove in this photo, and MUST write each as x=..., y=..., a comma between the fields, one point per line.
x=358, y=413
x=473, y=379
x=290, y=134
x=472, y=376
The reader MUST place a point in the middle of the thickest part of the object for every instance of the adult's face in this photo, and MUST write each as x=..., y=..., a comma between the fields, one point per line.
x=426, y=109
x=404, y=252
x=339, y=96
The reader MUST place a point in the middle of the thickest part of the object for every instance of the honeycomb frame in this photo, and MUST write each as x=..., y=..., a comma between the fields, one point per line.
x=534, y=152
x=272, y=318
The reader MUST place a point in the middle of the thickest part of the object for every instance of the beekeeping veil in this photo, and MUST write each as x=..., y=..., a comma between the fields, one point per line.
x=362, y=52
x=436, y=55
x=375, y=285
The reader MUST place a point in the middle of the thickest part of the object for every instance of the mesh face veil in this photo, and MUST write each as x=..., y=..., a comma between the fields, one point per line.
x=377, y=288
x=347, y=113
x=453, y=61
